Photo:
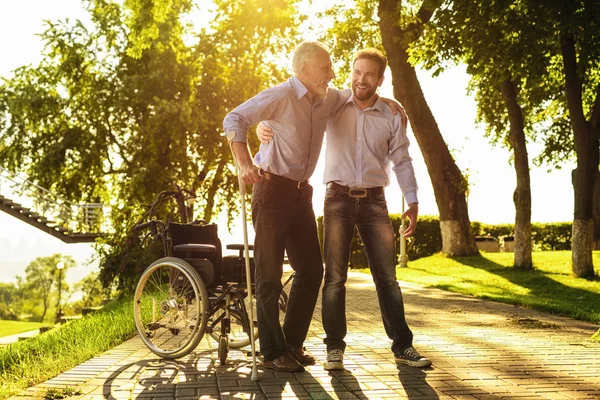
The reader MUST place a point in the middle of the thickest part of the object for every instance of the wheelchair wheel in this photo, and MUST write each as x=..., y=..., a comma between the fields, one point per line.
x=169, y=305
x=239, y=314
x=223, y=349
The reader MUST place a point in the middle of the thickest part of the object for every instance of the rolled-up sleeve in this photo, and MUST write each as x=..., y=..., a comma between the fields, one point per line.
x=261, y=107
x=402, y=161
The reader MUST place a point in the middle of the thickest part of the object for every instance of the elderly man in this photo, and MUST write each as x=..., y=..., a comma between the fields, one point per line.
x=282, y=212
x=363, y=139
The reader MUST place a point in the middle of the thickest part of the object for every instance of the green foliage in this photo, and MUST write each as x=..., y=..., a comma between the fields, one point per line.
x=552, y=236
x=94, y=294
x=68, y=391
x=498, y=43
x=495, y=230
x=519, y=41
x=427, y=239
x=38, y=290
x=26, y=363
x=120, y=110
x=355, y=26
x=8, y=295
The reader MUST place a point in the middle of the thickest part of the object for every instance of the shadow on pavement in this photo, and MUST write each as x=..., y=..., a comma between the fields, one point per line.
x=344, y=382
x=414, y=382
x=158, y=377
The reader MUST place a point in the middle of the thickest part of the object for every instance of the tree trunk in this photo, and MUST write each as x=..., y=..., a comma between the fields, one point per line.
x=217, y=181
x=586, y=147
x=45, y=305
x=449, y=185
x=522, y=195
x=596, y=212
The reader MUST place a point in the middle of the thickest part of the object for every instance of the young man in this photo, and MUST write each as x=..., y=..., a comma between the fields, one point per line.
x=363, y=137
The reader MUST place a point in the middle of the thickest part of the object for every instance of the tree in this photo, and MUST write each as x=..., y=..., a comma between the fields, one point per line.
x=122, y=110
x=395, y=26
x=8, y=298
x=494, y=39
x=94, y=293
x=40, y=284
x=572, y=37
x=579, y=49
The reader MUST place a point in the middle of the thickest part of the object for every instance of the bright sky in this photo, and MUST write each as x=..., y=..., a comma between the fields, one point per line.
x=491, y=177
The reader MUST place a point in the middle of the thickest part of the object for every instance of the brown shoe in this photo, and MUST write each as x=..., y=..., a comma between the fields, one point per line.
x=298, y=354
x=285, y=363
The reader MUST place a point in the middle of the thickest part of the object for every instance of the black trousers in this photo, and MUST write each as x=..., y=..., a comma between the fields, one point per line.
x=284, y=220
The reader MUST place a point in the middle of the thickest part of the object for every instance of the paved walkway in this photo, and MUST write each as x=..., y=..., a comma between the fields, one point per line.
x=5, y=340
x=480, y=350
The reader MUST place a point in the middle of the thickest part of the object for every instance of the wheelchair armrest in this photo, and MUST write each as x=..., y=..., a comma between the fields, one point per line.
x=239, y=247
x=195, y=247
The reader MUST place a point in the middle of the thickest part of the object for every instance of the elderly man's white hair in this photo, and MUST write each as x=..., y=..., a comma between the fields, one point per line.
x=304, y=52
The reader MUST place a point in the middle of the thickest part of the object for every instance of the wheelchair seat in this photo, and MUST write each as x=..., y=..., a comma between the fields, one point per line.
x=198, y=244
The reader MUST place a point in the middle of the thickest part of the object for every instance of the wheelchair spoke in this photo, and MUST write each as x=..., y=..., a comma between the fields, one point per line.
x=170, y=303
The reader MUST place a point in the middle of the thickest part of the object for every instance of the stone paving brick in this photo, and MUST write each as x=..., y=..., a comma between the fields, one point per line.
x=477, y=350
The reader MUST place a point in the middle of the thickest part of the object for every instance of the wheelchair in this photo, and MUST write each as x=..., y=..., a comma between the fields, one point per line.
x=194, y=290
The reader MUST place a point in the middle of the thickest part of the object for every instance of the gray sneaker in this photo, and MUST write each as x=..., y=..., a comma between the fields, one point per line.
x=411, y=357
x=335, y=360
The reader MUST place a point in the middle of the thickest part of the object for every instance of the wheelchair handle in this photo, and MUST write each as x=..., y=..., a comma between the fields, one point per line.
x=143, y=226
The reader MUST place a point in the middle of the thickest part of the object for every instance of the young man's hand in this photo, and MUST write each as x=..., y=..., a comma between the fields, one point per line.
x=412, y=213
x=264, y=133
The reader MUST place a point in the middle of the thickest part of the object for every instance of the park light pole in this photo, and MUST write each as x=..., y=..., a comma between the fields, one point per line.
x=59, y=266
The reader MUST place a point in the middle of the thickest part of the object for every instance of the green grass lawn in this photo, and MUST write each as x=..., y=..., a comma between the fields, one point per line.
x=8, y=328
x=550, y=286
x=29, y=362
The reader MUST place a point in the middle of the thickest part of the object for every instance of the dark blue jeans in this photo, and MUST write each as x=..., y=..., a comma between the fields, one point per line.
x=370, y=215
x=284, y=220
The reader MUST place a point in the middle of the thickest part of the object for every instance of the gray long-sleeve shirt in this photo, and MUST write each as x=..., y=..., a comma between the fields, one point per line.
x=299, y=124
x=361, y=144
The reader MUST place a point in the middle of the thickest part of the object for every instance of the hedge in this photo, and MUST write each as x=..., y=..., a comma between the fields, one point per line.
x=427, y=239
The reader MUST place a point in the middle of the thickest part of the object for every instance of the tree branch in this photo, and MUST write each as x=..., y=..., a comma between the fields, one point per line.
x=573, y=84
x=427, y=9
x=595, y=118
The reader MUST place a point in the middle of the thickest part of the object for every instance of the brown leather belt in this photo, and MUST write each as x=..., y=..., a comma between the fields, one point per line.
x=282, y=180
x=356, y=192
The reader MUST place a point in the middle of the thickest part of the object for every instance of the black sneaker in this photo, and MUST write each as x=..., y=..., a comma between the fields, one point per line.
x=410, y=356
x=335, y=360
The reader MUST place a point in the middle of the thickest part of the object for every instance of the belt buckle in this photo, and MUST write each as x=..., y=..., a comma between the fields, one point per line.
x=358, y=193
x=301, y=185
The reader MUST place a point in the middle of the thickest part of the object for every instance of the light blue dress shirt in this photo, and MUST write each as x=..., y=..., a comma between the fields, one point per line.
x=361, y=145
x=299, y=123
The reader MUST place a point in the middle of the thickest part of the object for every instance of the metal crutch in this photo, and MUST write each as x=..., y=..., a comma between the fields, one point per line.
x=230, y=136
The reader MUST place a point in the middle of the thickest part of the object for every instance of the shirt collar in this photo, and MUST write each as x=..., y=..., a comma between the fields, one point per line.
x=299, y=87
x=378, y=105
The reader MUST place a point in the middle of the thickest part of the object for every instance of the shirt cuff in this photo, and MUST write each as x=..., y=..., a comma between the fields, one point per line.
x=239, y=136
x=411, y=198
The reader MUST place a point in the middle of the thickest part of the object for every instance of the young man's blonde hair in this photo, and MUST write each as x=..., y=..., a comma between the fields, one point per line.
x=304, y=52
x=375, y=55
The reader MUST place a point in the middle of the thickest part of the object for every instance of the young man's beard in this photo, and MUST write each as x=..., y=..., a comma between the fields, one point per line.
x=367, y=93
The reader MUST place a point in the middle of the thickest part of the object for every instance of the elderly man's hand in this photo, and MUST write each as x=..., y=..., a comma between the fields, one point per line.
x=249, y=174
x=396, y=108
